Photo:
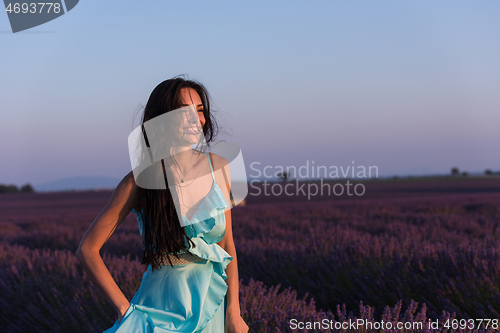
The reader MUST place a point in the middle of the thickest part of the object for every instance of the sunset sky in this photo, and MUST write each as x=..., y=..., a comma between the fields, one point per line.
x=411, y=87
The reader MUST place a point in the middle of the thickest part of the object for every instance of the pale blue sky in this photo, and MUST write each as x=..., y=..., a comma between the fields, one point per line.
x=409, y=86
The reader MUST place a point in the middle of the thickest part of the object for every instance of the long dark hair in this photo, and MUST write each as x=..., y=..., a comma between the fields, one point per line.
x=162, y=231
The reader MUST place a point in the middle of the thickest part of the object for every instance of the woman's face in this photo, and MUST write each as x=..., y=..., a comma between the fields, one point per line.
x=189, y=96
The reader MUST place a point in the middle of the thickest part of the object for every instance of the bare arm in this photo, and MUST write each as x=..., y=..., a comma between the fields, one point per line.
x=119, y=206
x=234, y=322
x=227, y=243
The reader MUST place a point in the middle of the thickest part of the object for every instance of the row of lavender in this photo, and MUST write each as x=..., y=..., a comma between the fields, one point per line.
x=47, y=291
x=442, y=252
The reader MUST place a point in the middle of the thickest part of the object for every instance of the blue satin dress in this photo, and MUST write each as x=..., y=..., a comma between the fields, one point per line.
x=186, y=298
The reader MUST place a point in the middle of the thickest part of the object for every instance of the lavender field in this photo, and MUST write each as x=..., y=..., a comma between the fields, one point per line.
x=405, y=252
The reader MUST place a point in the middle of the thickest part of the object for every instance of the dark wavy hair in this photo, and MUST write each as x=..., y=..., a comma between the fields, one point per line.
x=162, y=231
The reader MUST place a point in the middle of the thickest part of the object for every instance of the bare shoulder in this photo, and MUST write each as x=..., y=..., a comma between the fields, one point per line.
x=126, y=191
x=128, y=183
x=218, y=161
x=221, y=169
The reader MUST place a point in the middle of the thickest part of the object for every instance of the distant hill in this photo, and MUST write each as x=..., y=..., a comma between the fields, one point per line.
x=77, y=183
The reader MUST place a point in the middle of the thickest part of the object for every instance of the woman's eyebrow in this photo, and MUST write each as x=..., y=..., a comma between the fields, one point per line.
x=191, y=104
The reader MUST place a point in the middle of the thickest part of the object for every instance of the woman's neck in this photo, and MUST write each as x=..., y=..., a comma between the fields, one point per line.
x=185, y=158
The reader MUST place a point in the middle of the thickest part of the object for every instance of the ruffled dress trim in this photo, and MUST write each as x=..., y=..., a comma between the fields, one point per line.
x=140, y=318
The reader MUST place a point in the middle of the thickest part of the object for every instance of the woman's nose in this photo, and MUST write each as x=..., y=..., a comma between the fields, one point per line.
x=192, y=117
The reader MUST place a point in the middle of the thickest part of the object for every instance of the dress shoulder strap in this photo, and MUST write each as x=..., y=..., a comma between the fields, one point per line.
x=211, y=167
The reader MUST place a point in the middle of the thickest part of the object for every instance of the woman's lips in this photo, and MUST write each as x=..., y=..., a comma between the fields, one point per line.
x=191, y=131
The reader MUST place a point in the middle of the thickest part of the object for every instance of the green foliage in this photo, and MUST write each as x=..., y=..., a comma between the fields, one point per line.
x=8, y=188
x=27, y=188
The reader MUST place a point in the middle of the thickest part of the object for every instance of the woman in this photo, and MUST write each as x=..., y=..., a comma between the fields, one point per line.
x=192, y=268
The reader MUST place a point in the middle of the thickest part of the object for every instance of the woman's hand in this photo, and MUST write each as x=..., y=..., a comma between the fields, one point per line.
x=235, y=324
